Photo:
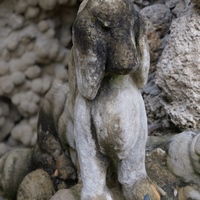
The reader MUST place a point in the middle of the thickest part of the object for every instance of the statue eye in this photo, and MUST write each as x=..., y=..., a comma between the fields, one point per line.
x=104, y=24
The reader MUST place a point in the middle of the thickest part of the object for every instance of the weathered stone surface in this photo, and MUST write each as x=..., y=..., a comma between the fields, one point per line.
x=36, y=185
x=178, y=71
x=68, y=194
x=197, y=2
x=14, y=166
x=158, y=18
x=183, y=157
x=189, y=192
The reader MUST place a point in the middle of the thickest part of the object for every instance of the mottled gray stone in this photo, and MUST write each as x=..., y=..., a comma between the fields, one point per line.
x=183, y=156
x=158, y=18
x=178, y=71
x=14, y=166
x=36, y=185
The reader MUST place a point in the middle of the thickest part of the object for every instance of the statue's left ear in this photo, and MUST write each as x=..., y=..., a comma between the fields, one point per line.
x=140, y=76
x=89, y=54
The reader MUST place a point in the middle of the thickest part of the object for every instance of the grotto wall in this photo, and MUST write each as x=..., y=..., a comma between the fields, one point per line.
x=35, y=40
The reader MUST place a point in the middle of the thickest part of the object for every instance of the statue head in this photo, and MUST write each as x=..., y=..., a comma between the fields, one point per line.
x=105, y=39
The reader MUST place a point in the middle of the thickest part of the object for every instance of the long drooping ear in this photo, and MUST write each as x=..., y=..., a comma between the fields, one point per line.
x=140, y=76
x=89, y=54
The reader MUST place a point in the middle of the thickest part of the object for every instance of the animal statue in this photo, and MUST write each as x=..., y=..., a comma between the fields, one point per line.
x=102, y=115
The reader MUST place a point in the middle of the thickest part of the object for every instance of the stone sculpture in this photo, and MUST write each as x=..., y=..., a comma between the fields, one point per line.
x=184, y=162
x=104, y=115
x=109, y=116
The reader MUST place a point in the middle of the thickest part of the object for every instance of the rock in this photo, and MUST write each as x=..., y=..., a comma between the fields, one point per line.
x=158, y=19
x=42, y=47
x=14, y=166
x=28, y=108
x=12, y=45
x=21, y=6
x=197, y=2
x=33, y=72
x=18, y=78
x=54, y=49
x=194, y=151
x=36, y=185
x=4, y=68
x=37, y=85
x=68, y=194
x=17, y=65
x=32, y=2
x=22, y=133
x=157, y=170
x=29, y=58
x=40, y=86
x=6, y=128
x=178, y=71
x=32, y=12
x=8, y=117
x=179, y=159
x=16, y=21
x=43, y=26
x=3, y=149
x=61, y=72
x=47, y=4
x=6, y=85
x=177, y=7
x=63, y=1
x=189, y=192
x=50, y=33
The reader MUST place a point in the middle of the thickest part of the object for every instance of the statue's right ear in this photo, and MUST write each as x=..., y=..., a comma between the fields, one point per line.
x=89, y=54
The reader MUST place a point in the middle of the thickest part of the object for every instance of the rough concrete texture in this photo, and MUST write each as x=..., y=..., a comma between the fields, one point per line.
x=178, y=71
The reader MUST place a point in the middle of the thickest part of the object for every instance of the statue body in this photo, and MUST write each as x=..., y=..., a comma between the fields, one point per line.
x=109, y=64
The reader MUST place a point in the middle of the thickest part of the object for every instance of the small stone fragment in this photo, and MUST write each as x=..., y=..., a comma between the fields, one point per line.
x=32, y=2
x=32, y=12
x=4, y=68
x=17, y=65
x=3, y=148
x=47, y=4
x=33, y=72
x=12, y=45
x=6, y=84
x=16, y=21
x=36, y=85
x=18, y=78
x=29, y=58
x=43, y=26
x=36, y=185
